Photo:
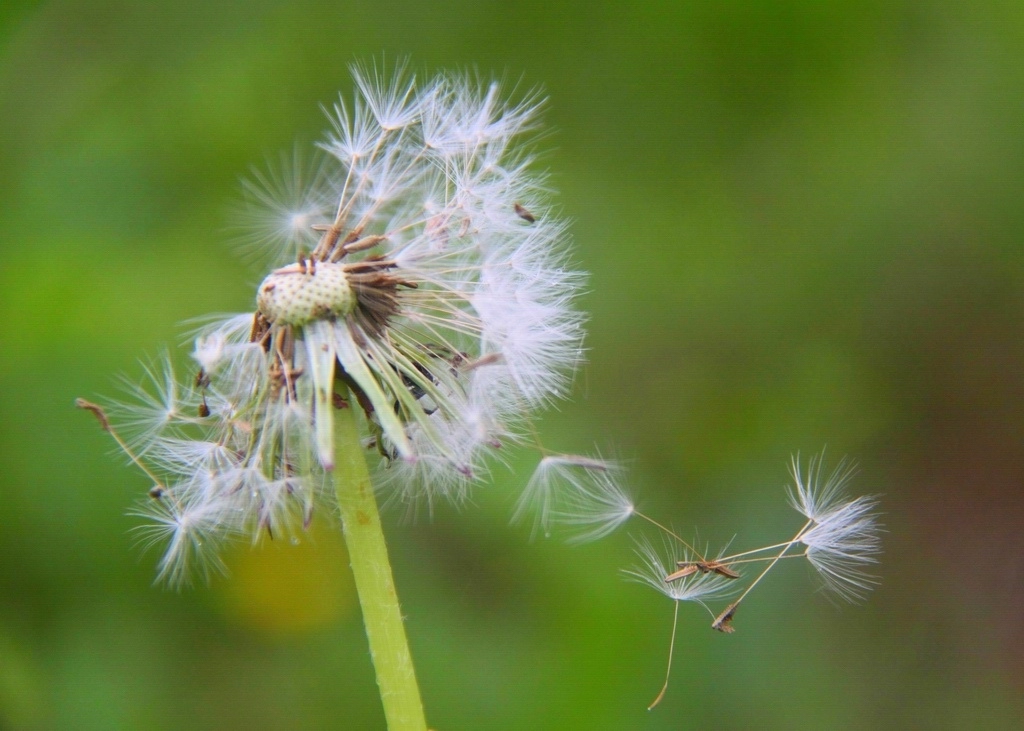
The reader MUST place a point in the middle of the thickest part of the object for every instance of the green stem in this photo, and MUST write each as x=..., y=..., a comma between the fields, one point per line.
x=368, y=555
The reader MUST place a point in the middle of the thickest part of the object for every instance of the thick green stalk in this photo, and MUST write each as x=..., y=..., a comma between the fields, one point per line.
x=368, y=555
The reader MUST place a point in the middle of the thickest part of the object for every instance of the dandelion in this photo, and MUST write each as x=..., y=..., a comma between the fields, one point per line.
x=427, y=295
x=421, y=280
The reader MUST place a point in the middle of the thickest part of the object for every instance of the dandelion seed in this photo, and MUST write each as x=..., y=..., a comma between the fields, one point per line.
x=685, y=568
x=157, y=404
x=657, y=565
x=524, y=213
x=723, y=622
x=843, y=538
x=283, y=206
x=582, y=493
x=811, y=495
x=691, y=586
x=190, y=530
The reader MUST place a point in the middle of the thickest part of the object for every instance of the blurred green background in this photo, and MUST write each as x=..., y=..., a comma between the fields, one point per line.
x=804, y=224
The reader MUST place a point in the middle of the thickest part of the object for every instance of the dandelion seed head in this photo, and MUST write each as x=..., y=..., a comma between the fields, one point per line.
x=415, y=260
x=300, y=294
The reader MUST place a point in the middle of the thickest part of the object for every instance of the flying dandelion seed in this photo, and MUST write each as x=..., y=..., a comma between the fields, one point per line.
x=840, y=539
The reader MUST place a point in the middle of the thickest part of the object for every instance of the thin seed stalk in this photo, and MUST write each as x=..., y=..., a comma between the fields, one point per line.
x=368, y=555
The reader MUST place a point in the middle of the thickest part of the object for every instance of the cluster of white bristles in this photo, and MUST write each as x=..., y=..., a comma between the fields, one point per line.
x=840, y=538
x=419, y=263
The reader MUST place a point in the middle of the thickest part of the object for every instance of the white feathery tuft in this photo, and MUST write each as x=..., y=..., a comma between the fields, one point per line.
x=584, y=494
x=843, y=539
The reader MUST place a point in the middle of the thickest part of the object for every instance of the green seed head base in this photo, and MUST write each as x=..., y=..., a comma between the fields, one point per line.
x=299, y=294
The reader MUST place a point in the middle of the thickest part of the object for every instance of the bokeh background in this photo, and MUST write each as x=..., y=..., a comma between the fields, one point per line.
x=804, y=225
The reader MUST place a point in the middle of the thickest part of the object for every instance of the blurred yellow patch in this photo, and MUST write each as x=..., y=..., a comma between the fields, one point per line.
x=289, y=586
